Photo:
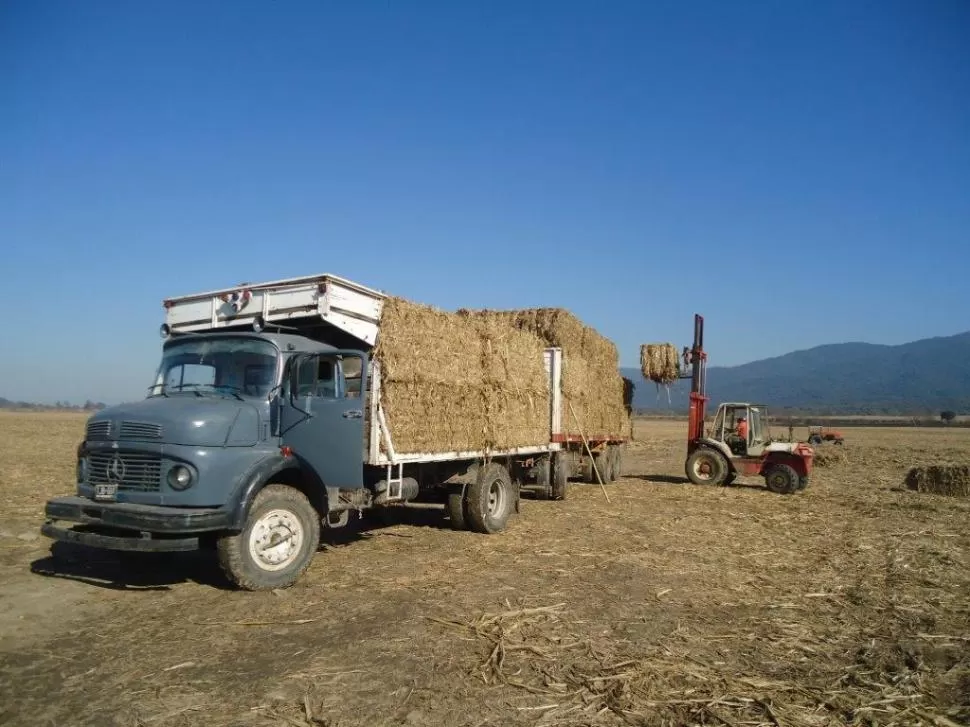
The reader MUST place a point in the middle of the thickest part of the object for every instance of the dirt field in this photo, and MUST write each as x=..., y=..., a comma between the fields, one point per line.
x=672, y=604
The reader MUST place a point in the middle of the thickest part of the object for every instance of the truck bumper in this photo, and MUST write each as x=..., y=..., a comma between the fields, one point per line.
x=125, y=526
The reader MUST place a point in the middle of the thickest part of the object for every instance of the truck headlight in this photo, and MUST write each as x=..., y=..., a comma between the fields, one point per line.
x=180, y=477
x=82, y=469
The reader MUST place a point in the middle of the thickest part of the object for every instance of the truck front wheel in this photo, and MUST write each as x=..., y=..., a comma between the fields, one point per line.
x=277, y=544
x=490, y=500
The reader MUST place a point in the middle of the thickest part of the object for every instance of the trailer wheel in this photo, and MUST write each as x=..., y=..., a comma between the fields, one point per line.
x=706, y=467
x=804, y=481
x=782, y=479
x=543, y=475
x=617, y=462
x=602, y=460
x=560, y=475
x=455, y=507
x=615, y=456
x=277, y=543
x=490, y=500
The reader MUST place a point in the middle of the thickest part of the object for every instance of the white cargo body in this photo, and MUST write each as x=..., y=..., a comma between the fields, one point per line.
x=354, y=309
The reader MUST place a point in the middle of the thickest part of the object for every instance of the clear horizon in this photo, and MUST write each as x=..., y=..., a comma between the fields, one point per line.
x=795, y=173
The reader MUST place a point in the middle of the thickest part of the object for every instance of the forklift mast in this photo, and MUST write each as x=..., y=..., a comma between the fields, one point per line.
x=698, y=386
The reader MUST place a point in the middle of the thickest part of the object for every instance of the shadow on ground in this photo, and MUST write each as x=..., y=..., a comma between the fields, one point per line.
x=681, y=480
x=129, y=571
x=140, y=571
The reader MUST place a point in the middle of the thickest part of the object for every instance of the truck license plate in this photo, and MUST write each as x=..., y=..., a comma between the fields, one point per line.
x=105, y=492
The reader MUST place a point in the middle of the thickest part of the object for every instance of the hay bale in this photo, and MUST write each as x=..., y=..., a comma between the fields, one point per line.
x=452, y=383
x=591, y=380
x=660, y=362
x=953, y=480
x=829, y=455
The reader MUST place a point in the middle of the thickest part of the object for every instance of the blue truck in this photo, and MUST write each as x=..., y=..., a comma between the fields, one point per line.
x=264, y=424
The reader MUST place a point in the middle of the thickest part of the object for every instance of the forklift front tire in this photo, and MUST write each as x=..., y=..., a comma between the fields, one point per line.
x=706, y=467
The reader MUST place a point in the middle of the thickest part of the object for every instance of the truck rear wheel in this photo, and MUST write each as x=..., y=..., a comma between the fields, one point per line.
x=455, y=506
x=277, y=543
x=706, y=467
x=560, y=475
x=490, y=500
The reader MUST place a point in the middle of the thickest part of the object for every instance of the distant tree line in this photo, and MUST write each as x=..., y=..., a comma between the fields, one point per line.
x=56, y=406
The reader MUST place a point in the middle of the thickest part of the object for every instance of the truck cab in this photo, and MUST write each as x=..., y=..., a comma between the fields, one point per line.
x=226, y=414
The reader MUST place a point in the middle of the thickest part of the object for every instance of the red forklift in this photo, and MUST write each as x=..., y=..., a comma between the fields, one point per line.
x=739, y=443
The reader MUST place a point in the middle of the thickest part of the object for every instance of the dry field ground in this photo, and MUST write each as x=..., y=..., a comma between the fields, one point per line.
x=848, y=603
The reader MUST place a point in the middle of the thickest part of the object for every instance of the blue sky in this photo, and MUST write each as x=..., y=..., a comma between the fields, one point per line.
x=798, y=172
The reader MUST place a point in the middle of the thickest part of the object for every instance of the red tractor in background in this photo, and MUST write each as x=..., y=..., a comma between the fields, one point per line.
x=740, y=442
x=819, y=434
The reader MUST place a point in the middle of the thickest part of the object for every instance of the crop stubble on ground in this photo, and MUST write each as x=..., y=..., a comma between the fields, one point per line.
x=670, y=604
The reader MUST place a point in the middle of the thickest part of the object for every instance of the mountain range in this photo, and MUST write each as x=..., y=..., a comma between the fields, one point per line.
x=925, y=376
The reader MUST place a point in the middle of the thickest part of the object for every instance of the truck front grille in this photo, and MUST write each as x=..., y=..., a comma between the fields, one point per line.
x=99, y=430
x=131, y=471
x=140, y=430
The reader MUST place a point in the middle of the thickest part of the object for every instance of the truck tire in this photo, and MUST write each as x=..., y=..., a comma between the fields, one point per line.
x=490, y=500
x=706, y=467
x=455, y=506
x=543, y=476
x=602, y=461
x=611, y=471
x=560, y=475
x=617, y=462
x=782, y=479
x=277, y=543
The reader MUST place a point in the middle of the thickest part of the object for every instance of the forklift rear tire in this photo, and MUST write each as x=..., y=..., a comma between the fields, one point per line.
x=782, y=479
x=706, y=467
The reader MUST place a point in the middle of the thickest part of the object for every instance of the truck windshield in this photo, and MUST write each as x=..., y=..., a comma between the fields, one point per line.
x=229, y=366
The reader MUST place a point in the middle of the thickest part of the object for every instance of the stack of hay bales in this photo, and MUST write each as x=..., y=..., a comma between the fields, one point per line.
x=951, y=480
x=591, y=380
x=451, y=382
x=659, y=362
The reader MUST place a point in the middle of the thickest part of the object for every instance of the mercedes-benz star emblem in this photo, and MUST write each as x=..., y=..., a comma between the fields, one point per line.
x=116, y=470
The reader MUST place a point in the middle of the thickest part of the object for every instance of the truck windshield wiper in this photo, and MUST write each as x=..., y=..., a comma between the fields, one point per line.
x=234, y=390
x=193, y=386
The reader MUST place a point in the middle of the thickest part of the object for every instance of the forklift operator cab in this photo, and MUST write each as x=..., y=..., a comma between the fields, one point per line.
x=726, y=429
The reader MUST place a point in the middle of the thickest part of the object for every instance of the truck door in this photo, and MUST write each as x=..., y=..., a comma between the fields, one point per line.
x=323, y=422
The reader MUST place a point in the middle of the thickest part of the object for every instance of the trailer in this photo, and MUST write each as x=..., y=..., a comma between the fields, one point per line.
x=266, y=421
